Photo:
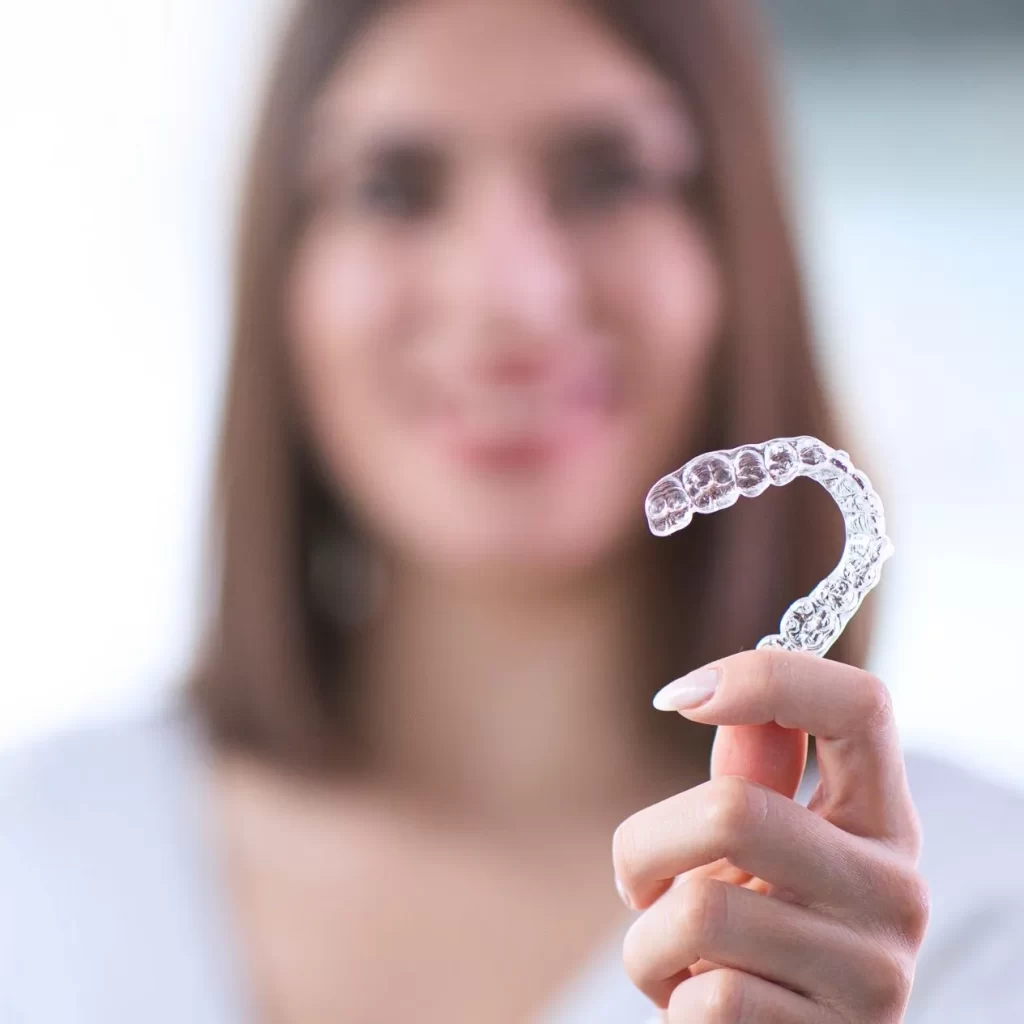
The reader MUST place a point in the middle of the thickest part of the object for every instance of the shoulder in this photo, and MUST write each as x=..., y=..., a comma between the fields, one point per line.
x=939, y=785
x=64, y=796
x=87, y=809
x=61, y=766
x=99, y=867
x=973, y=829
x=973, y=844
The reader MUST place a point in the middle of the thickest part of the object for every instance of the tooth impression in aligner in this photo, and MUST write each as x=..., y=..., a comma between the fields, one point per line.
x=716, y=480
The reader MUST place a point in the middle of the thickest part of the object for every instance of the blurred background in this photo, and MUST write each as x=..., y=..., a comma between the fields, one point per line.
x=125, y=124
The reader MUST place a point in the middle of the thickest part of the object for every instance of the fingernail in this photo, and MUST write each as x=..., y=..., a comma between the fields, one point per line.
x=688, y=692
x=623, y=894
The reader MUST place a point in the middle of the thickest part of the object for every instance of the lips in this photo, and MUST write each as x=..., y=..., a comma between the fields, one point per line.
x=503, y=424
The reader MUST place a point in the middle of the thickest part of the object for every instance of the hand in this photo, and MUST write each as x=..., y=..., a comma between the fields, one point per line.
x=781, y=914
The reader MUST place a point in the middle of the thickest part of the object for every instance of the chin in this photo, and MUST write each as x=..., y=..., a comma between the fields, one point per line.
x=536, y=523
x=547, y=547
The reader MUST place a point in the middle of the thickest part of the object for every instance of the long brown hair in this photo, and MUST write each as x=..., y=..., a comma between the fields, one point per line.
x=270, y=674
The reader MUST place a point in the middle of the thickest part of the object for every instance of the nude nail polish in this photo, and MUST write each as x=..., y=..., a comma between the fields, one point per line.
x=689, y=691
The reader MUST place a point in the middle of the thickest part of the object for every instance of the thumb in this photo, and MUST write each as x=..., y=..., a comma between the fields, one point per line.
x=769, y=754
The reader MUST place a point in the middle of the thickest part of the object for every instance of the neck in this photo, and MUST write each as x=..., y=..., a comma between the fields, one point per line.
x=512, y=704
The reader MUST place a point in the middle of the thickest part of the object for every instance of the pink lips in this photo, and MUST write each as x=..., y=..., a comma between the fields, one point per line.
x=515, y=419
x=505, y=455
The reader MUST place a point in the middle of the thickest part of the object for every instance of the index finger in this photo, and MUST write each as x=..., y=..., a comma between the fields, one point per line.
x=863, y=787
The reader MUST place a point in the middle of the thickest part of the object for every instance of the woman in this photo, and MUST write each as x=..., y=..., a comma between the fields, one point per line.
x=502, y=265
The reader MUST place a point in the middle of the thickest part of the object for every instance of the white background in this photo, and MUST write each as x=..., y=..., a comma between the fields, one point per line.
x=123, y=128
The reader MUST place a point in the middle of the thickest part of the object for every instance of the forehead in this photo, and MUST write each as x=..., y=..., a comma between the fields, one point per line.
x=490, y=66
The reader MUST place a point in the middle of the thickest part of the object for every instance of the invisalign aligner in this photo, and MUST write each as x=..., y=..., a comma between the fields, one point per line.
x=715, y=480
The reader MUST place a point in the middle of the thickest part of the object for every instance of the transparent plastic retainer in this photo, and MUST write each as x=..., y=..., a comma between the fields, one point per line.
x=716, y=480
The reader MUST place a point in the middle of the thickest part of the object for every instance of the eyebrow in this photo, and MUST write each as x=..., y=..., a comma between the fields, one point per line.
x=664, y=134
x=599, y=128
x=590, y=128
x=323, y=139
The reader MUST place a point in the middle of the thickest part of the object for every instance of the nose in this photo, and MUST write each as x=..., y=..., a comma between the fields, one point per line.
x=511, y=280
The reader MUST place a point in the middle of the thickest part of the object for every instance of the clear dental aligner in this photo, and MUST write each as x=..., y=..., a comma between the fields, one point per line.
x=716, y=480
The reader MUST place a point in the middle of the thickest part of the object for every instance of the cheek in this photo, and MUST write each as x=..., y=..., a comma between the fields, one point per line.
x=663, y=291
x=344, y=310
x=342, y=297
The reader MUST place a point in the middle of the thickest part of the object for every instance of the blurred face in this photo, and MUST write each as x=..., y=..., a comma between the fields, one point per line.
x=501, y=308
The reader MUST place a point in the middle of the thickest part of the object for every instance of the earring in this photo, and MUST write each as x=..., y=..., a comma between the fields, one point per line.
x=347, y=580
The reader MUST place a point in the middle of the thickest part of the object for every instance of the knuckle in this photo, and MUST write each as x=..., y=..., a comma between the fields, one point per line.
x=700, y=911
x=915, y=833
x=876, y=702
x=913, y=905
x=735, y=808
x=723, y=999
x=625, y=850
x=773, y=669
x=644, y=958
x=635, y=957
x=888, y=979
x=907, y=899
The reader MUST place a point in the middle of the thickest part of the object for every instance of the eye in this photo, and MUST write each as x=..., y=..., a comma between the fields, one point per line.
x=398, y=179
x=597, y=181
x=596, y=166
x=397, y=190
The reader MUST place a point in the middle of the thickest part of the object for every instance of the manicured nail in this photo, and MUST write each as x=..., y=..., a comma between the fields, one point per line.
x=688, y=692
x=623, y=895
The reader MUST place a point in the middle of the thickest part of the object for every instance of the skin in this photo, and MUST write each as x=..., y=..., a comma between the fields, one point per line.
x=501, y=313
x=781, y=913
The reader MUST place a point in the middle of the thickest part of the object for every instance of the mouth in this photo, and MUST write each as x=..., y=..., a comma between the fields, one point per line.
x=527, y=428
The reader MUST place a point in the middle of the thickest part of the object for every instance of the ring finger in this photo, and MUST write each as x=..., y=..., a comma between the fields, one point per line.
x=728, y=995
x=732, y=926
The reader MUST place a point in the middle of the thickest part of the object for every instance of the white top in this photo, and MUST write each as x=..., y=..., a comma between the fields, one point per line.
x=111, y=912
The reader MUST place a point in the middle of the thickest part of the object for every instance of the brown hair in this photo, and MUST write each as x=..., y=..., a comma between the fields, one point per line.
x=270, y=674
